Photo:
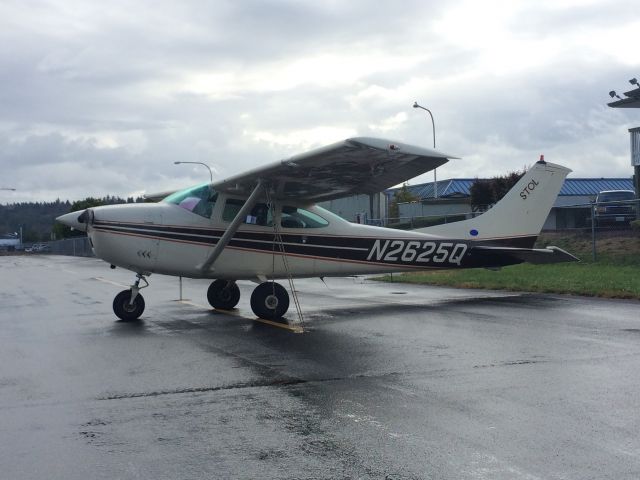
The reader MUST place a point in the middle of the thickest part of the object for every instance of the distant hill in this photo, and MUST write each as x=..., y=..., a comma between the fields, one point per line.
x=38, y=218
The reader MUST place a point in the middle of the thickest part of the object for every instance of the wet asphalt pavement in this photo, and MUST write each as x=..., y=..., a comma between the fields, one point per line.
x=388, y=381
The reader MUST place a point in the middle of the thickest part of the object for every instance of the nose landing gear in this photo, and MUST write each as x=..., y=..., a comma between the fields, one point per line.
x=129, y=304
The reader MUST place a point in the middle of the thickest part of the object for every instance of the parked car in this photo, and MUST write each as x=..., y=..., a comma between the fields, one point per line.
x=38, y=248
x=615, y=207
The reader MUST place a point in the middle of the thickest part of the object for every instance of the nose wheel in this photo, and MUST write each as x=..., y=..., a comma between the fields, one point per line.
x=270, y=301
x=125, y=309
x=129, y=304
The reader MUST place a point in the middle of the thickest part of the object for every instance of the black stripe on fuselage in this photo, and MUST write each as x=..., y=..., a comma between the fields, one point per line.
x=405, y=252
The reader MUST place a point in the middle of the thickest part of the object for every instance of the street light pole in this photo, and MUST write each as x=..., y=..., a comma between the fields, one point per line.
x=198, y=163
x=415, y=105
x=433, y=124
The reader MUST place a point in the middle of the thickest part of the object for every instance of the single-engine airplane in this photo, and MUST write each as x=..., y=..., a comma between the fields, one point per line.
x=264, y=225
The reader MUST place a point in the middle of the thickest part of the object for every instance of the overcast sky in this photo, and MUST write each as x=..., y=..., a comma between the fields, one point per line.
x=100, y=99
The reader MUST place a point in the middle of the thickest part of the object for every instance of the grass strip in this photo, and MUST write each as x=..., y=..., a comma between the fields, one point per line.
x=589, y=279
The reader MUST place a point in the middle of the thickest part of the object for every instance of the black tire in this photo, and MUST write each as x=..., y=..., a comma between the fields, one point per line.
x=223, y=294
x=126, y=311
x=270, y=301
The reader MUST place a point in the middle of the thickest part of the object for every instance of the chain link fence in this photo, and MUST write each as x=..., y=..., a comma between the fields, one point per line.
x=599, y=221
x=413, y=222
x=613, y=219
x=78, y=246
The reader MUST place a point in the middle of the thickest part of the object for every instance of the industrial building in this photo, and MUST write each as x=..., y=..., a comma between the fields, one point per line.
x=453, y=200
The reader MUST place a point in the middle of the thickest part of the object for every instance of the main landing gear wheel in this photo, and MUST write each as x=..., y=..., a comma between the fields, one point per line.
x=223, y=294
x=125, y=309
x=270, y=301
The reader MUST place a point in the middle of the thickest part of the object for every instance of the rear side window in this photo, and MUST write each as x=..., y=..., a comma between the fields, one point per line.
x=262, y=214
x=293, y=217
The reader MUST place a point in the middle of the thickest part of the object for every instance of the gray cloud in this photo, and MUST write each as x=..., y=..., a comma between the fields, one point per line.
x=103, y=99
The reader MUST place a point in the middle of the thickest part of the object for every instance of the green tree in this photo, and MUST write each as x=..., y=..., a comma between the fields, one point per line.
x=487, y=192
x=402, y=195
x=481, y=194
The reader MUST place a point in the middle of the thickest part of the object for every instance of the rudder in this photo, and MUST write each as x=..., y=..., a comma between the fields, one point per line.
x=516, y=220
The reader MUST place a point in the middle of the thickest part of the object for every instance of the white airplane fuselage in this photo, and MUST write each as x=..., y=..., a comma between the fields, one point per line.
x=172, y=241
x=177, y=236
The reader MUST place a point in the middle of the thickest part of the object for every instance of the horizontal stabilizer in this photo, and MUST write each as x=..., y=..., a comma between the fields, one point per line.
x=510, y=256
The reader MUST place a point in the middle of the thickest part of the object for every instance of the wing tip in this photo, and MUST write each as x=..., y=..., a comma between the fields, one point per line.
x=394, y=145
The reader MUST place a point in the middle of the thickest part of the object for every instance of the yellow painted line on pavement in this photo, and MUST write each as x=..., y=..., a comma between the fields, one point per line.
x=193, y=304
x=233, y=312
x=284, y=326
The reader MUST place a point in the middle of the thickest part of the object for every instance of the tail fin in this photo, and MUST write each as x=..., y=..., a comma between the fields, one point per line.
x=517, y=219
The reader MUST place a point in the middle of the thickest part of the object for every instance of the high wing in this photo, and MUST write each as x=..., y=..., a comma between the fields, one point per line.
x=354, y=166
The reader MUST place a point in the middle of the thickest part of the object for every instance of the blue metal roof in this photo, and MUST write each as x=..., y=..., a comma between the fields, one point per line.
x=459, y=187
x=591, y=186
x=452, y=188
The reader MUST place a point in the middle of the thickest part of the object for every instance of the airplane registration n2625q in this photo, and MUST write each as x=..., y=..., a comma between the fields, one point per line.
x=264, y=225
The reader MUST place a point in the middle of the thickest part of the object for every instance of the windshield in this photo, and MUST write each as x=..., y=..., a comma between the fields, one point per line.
x=199, y=199
x=615, y=196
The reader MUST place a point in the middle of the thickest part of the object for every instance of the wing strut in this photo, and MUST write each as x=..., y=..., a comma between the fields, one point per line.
x=233, y=227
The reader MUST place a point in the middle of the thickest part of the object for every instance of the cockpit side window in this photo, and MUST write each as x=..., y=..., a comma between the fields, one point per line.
x=199, y=200
x=293, y=217
x=261, y=214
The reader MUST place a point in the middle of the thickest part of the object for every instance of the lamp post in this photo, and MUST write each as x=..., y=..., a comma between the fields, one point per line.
x=433, y=124
x=632, y=100
x=198, y=163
